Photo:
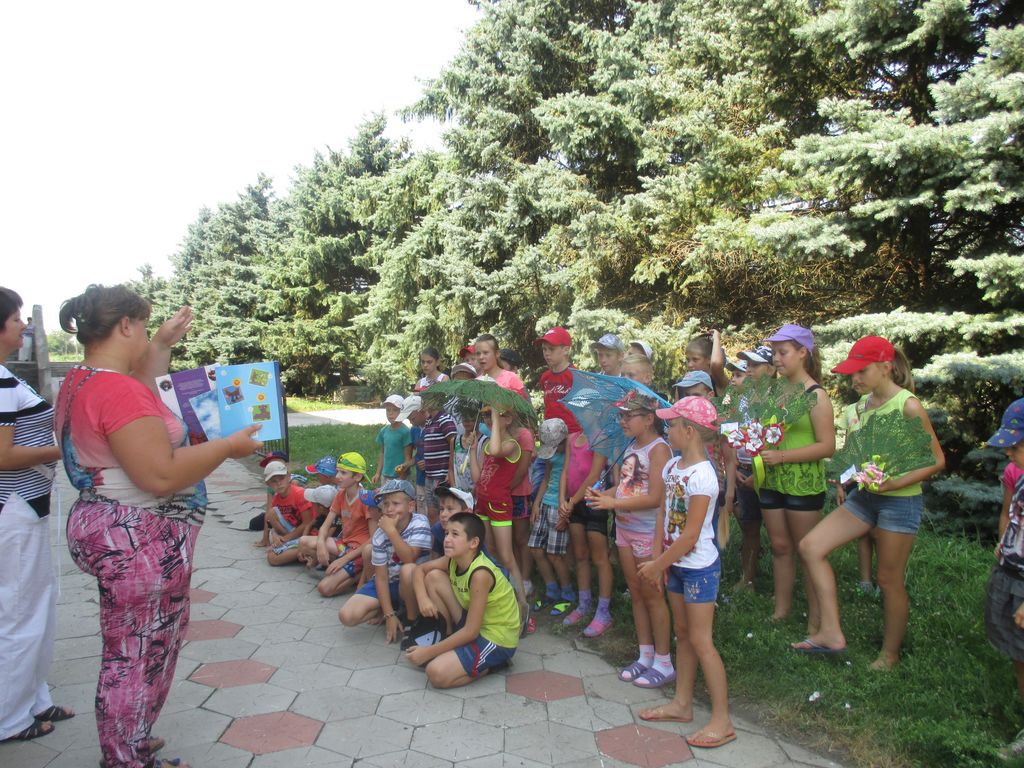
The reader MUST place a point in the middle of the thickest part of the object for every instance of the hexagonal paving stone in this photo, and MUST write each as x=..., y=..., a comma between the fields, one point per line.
x=551, y=743
x=611, y=688
x=544, y=686
x=211, y=629
x=292, y=654
x=301, y=756
x=274, y=732
x=228, y=649
x=458, y=740
x=420, y=707
x=505, y=709
x=385, y=680
x=228, y=674
x=405, y=760
x=592, y=715
x=200, y=595
x=643, y=746
x=311, y=677
x=338, y=703
x=502, y=761
x=244, y=700
x=365, y=736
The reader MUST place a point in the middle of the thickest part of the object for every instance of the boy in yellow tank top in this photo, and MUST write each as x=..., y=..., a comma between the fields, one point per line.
x=475, y=599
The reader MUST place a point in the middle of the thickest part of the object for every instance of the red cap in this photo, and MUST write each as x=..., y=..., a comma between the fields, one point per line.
x=556, y=337
x=870, y=349
x=466, y=352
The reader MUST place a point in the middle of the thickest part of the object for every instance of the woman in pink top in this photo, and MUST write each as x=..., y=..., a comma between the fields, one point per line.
x=486, y=350
x=140, y=506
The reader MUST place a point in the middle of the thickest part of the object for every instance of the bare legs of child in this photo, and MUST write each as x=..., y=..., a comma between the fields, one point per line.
x=499, y=542
x=693, y=624
x=653, y=667
x=445, y=671
x=786, y=528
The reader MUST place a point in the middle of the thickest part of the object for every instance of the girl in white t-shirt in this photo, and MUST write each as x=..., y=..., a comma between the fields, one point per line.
x=684, y=547
x=430, y=367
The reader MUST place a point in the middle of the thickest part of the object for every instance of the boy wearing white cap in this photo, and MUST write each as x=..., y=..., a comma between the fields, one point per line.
x=609, y=351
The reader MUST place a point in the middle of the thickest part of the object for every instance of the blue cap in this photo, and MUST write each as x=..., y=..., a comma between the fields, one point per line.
x=1011, y=431
x=328, y=465
x=692, y=378
x=395, y=486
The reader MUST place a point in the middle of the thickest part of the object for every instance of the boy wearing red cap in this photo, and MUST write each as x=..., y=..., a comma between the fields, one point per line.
x=556, y=380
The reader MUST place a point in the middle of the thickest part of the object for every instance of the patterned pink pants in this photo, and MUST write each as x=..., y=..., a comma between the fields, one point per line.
x=143, y=564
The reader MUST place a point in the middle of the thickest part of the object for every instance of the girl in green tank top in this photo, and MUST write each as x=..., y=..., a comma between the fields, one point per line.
x=793, y=491
x=881, y=374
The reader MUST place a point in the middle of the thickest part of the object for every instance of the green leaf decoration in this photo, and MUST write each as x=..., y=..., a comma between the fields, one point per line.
x=765, y=399
x=902, y=444
x=469, y=397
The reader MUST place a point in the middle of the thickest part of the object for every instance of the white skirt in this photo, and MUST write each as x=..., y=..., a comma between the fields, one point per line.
x=28, y=621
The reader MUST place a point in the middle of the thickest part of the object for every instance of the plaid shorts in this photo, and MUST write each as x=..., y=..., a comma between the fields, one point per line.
x=545, y=536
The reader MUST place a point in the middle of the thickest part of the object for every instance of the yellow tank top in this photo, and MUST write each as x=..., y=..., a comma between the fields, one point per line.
x=501, y=616
x=857, y=416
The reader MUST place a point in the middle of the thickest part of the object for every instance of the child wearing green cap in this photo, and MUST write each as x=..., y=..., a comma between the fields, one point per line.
x=340, y=551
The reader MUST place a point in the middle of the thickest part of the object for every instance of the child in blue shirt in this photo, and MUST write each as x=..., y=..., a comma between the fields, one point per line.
x=395, y=441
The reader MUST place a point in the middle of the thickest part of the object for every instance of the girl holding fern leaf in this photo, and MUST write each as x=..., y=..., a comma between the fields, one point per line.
x=890, y=448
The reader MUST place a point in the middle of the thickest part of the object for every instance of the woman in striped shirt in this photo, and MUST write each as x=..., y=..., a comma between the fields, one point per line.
x=28, y=591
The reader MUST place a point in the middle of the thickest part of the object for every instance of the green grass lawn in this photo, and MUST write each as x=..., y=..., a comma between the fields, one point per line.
x=951, y=702
x=310, y=405
x=307, y=444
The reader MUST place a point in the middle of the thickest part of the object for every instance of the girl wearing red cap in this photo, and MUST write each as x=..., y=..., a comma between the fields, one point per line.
x=891, y=514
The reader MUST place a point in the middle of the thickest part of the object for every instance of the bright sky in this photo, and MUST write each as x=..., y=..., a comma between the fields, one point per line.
x=122, y=119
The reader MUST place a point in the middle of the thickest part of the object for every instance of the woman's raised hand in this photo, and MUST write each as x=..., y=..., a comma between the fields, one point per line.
x=173, y=330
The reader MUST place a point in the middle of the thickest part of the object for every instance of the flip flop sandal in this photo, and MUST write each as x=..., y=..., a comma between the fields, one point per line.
x=652, y=678
x=651, y=716
x=632, y=672
x=710, y=740
x=811, y=648
x=543, y=602
x=55, y=714
x=34, y=731
x=560, y=608
x=575, y=617
x=155, y=745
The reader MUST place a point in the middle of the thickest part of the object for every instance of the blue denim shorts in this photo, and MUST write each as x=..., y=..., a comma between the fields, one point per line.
x=899, y=514
x=696, y=585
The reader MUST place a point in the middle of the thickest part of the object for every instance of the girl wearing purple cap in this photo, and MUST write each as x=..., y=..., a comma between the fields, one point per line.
x=891, y=514
x=793, y=491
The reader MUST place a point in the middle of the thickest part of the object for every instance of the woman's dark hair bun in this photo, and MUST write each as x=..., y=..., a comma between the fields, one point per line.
x=92, y=315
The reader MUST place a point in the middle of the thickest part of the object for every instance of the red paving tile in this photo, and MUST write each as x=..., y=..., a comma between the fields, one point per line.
x=544, y=686
x=211, y=629
x=275, y=732
x=647, y=747
x=229, y=674
x=200, y=596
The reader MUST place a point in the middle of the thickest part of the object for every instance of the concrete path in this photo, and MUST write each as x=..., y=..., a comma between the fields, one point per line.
x=270, y=678
x=340, y=416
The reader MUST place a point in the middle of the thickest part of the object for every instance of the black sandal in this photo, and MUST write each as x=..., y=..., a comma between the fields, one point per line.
x=34, y=731
x=54, y=714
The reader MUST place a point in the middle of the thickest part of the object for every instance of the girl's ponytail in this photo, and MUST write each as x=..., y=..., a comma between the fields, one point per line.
x=902, y=373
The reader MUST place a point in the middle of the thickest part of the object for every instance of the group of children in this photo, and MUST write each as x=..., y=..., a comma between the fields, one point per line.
x=469, y=506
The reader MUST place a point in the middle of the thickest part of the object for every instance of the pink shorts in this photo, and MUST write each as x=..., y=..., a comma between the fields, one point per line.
x=642, y=544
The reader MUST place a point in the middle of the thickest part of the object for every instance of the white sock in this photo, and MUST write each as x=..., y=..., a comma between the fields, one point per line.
x=527, y=587
x=663, y=663
x=646, y=655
